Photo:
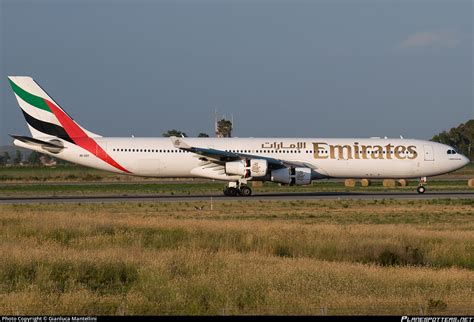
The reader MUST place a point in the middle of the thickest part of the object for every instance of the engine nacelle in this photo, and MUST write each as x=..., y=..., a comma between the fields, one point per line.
x=292, y=176
x=247, y=168
x=302, y=176
x=235, y=167
x=258, y=168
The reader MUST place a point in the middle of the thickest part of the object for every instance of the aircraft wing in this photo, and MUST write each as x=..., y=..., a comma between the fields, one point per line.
x=221, y=156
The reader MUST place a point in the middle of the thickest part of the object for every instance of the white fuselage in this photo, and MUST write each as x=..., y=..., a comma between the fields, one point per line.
x=330, y=158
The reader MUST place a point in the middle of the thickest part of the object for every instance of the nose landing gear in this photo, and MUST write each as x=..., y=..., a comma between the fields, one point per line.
x=421, y=188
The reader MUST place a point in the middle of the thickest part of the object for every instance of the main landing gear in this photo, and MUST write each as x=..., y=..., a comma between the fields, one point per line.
x=237, y=189
x=421, y=188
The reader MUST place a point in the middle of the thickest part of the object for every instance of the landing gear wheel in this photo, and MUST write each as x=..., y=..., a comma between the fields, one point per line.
x=421, y=189
x=245, y=191
x=231, y=192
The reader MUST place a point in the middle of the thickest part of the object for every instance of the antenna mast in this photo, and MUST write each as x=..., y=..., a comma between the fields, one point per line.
x=215, y=122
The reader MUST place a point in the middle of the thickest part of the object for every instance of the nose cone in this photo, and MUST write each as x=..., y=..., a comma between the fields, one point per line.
x=465, y=160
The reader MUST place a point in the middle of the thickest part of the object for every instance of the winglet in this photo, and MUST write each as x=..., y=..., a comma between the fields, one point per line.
x=179, y=143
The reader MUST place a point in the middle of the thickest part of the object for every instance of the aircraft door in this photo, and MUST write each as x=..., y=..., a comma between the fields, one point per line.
x=429, y=155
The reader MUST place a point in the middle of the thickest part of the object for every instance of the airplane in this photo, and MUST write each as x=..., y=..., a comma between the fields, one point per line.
x=237, y=161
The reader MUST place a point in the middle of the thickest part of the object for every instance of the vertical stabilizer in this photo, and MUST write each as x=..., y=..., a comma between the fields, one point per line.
x=45, y=118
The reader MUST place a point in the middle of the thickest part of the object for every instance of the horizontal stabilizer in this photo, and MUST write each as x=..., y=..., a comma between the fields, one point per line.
x=53, y=146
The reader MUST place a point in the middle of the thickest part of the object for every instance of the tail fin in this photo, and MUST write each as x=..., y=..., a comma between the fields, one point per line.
x=45, y=118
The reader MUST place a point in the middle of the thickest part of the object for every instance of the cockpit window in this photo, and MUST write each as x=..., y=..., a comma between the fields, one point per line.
x=451, y=152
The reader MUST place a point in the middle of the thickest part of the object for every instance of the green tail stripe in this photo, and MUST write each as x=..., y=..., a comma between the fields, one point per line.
x=31, y=99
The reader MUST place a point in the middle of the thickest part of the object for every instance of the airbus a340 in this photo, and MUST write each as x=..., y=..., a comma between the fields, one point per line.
x=292, y=161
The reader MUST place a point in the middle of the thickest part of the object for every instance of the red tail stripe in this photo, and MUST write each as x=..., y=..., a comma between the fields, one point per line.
x=80, y=137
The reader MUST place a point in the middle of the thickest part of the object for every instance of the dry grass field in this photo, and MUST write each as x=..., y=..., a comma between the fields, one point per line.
x=243, y=257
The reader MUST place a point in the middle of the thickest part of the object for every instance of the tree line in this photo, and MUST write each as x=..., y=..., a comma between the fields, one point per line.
x=223, y=130
x=34, y=158
x=460, y=137
x=5, y=158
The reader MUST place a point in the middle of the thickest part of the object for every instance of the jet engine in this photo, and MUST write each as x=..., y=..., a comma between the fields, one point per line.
x=247, y=168
x=292, y=176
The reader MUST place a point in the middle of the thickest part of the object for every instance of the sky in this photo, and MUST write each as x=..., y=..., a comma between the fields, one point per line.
x=280, y=68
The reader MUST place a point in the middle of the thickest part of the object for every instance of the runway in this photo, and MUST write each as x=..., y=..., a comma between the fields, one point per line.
x=256, y=197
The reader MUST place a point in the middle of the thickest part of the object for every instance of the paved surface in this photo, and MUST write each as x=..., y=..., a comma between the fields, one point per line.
x=256, y=197
x=191, y=181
